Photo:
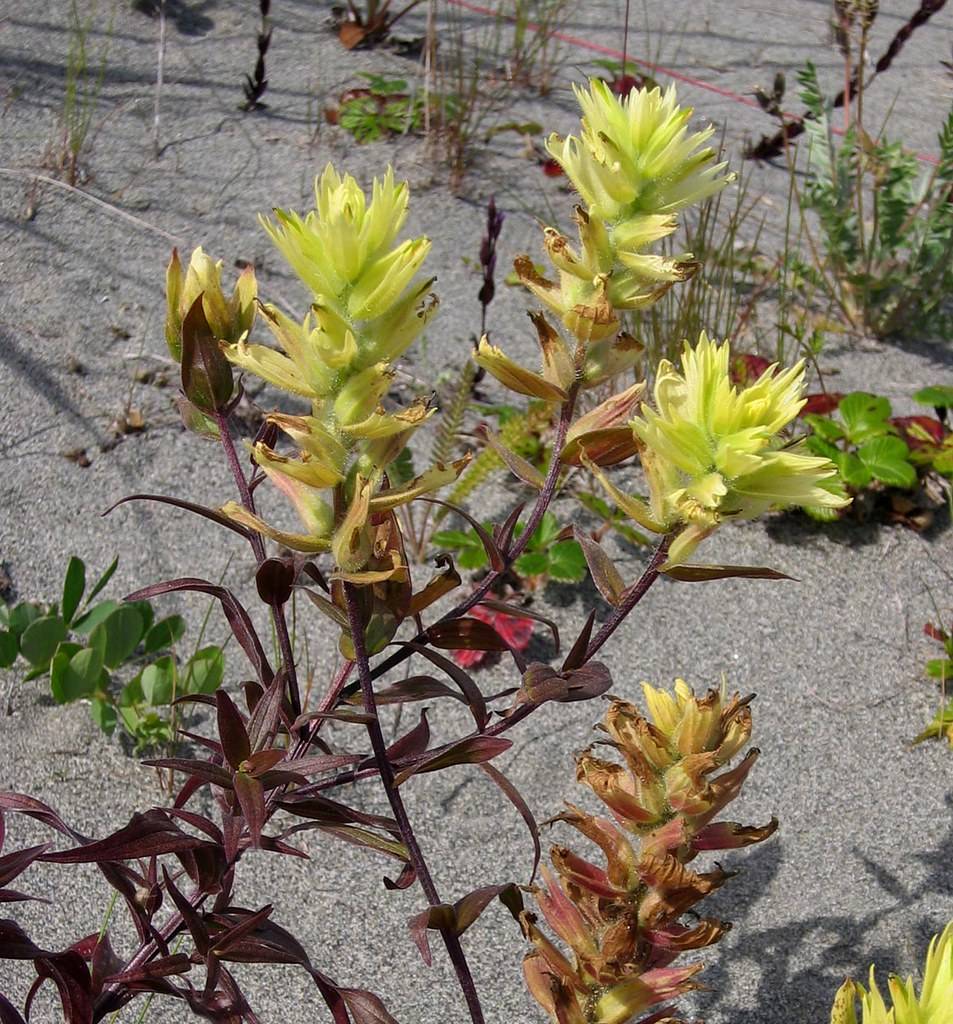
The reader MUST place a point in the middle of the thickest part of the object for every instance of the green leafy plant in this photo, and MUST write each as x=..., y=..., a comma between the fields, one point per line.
x=83, y=645
x=941, y=669
x=548, y=555
x=886, y=227
x=384, y=107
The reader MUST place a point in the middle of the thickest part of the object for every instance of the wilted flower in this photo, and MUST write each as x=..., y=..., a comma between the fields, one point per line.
x=934, y=1005
x=622, y=922
x=712, y=452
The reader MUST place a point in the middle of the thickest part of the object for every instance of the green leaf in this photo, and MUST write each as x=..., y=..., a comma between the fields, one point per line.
x=146, y=612
x=132, y=692
x=472, y=554
x=939, y=396
x=205, y=671
x=818, y=446
x=103, y=714
x=533, y=563
x=864, y=415
x=75, y=672
x=21, y=616
x=91, y=618
x=888, y=460
x=567, y=563
x=824, y=427
x=118, y=635
x=940, y=668
x=74, y=583
x=40, y=639
x=164, y=634
x=8, y=648
x=102, y=581
x=158, y=681
x=853, y=472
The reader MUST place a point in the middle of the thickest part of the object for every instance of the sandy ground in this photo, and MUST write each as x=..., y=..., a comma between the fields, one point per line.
x=859, y=871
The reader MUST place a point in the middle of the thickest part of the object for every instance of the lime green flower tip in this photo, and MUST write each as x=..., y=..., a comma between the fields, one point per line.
x=712, y=451
x=635, y=155
x=933, y=1006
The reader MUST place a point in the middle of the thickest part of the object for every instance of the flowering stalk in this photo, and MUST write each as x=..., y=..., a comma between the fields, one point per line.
x=622, y=923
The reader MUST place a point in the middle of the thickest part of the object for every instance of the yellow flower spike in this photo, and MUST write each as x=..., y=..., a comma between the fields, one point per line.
x=633, y=507
x=313, y=437
x=380, y=284
x=844, y=1010
x=609, y=357
x=429, y=481
x=558, y=365
x=635, y=154
x=711, y=451
x=315, y=471
x=515, y=377
x=352, y=543
x=403, y=323
x=358, y=398
x=662, y=707
x=229, y=319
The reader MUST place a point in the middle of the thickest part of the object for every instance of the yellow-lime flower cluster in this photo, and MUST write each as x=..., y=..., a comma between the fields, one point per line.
x=622, y=923
x=367, y=309
x=634, y=166
x=933, y=1006
x=713, y=452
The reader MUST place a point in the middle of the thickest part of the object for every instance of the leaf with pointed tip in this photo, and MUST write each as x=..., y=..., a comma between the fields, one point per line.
x=231, y=730
x=516, y=464
x=686, y=573
x=238, y=618
x=316, y=763
x=21, y=804
x=251, y=798
x=163, y=967
x=15, y=944
x=349, y=715
x=247, y=922
x=365, y=1007
x=9, y=1014
x=201, y=823
x=206, y=373
x=437, y=918
x=521, y=612
x=413, y=688
x=364, y=837
x=204, y=771
x=337, y=615
x=497, y=562
x=470, y=750
x=191, y=917
x=443, y=581
x=74, y=583
x=465, y=634
x=265, y=713
x=604, y=574
x=70, y=975
x=412, y=743
x=320, y=808
x=516, y=799
x=200, y=510
x=13, y=864
x=146, y=835
x=503, y=533
x=577, y=655
x=471, y=692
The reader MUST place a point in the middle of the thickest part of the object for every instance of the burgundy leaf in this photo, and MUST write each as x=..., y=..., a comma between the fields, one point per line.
x=191, y=917
x=199, y=510
x=468, y=908
x=247, y=922
x=821, y=403
x=465, y=634
x=251, y=797
x=363, y=837
x=700, y=573
x=231, y=731
x=238, y=618
x=146, y=835
x=405, y=879
x=365, y=1007
x=13, y=864
x=436, y=918
x=320, y=808
x=516, y=799
x=263, y=724
x=280, y=777
x=503, y=533
x=604, y=574
x=497, y=562
x=578, y=653
x=206, y=373
x=412, y=743
x=13, y=896
x=70, y=975
x=323, y=763
x=200, y=822
x=104, y=962
x=15, y=944
x=164, y=967
x=202, y=771
x=471, y=692
x=471, y=750
x=349, y=715
x=519, y=612
x=411, y=689
x=9, y=1014
x=35, y=809
x=262, y=761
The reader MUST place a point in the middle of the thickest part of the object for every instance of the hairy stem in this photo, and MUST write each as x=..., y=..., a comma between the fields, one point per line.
x=386, y=771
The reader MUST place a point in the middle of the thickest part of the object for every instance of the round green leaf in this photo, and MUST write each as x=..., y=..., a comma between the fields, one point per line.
x=864, y=415
x=164, y=634
x=118, y=635
x=888, y=459
x=8, y=648
x=41, y=638
x=158, y=681
x=75, y=672
x=535, y=563
x=853, y=472
x=103, y=714
x=132, y=692
x=90, y=619
x=567, y=563
x=74, y=583
x=939, y=396
x=22, y=615
x=205, y=671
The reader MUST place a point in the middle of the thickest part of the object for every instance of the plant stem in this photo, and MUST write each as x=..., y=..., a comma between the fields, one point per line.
x=631, y=597
x=543, y=502
x=258, y=547
x=386, y=771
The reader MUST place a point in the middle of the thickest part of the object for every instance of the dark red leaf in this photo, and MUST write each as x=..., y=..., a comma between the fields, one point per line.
x=468, y=908
x=231, y=730
x=821, y=403
x=70, y=975
x=471, y=750
x=578, y=653
x=467, y=634
x=262, y=761
x=13, y=864
x=201, y=771
x=413, y=688
x=469, y=689
x=15, y=944
x=330, y=812
x=238, y=618
x=206, y=373
x=9, y=1014
x=746, y=368
x=516, y=799
x=503, y=533
x=251, y=797
x=146, y=835
x=912, y=429
x=412, y=743
x=323, y=763
x=365, y=1007
x=687, y=573
x=263, y=724
x=435, y=918
x=35, y=809
x=247, y=922
x=515, y=611
x=191, y=917
x=200, y=510
x=164, y=967
x=552, y=168
x=604, y=574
